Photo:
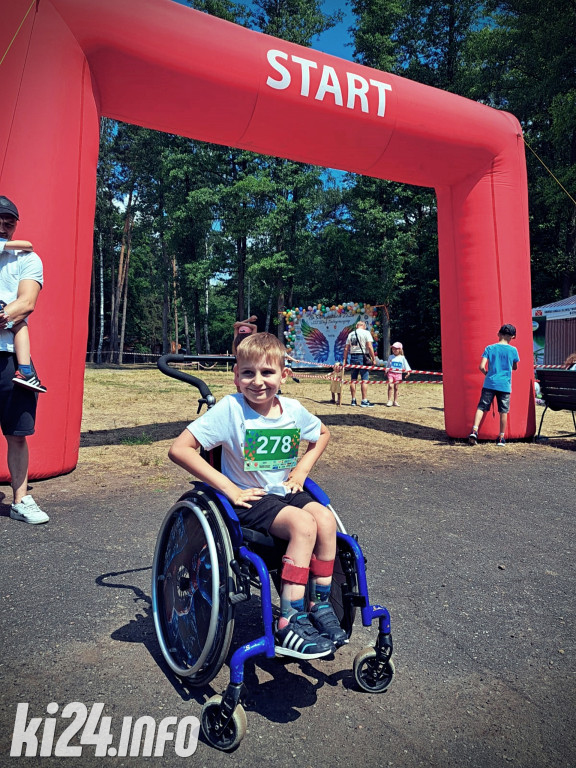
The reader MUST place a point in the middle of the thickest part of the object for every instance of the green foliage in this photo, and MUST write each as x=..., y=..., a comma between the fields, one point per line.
x=216, y=233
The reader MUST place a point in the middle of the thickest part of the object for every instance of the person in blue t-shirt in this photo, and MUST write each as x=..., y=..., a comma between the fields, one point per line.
x=498, y=362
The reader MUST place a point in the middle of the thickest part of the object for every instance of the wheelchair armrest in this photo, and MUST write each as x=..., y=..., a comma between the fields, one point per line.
x=316, y=492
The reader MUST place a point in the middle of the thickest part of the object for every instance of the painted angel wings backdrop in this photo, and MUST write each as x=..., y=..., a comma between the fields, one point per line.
x=320, y=339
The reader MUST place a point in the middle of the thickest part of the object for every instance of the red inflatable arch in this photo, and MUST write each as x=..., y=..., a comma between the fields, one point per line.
x=167, y=67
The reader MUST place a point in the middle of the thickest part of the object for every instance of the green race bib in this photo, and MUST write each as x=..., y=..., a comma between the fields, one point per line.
x=271, y=449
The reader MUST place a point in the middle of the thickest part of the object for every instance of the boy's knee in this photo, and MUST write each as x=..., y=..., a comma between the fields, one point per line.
x=325, y=520
x=304, y=524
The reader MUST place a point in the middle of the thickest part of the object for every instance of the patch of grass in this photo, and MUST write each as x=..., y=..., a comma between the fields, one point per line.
x=143, y=439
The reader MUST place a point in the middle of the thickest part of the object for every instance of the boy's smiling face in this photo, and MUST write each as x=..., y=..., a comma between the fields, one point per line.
x=259, y=382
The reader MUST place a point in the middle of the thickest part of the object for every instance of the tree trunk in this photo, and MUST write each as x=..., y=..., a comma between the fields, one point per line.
x=269, y=310
x=175, y=305
x=186, y=333
x=101, y=313
x=206, y=316
x=281, y=306
x=124, y=306
x=166, y=299
x=126, y=236
x=197, y=326
x=93, y=308
x=241, y=259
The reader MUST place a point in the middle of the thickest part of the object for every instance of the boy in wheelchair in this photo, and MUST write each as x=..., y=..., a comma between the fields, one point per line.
x=260, y=434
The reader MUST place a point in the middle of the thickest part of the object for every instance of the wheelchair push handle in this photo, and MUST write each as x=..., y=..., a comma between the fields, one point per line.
x=207, y=398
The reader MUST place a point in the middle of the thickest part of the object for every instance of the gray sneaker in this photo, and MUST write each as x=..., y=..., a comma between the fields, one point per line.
x=326, y=622
x=28, y=512
x=301, y=640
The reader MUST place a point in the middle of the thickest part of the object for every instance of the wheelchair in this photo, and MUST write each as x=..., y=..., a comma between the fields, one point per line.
x=206, y=564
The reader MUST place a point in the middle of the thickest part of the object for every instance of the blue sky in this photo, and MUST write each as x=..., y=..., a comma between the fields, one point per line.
x=334, y=41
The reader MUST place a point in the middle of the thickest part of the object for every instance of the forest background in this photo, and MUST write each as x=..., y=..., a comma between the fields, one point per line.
x=191, y=236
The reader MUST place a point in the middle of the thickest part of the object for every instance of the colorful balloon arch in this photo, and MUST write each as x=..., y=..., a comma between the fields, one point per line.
x=164, y=66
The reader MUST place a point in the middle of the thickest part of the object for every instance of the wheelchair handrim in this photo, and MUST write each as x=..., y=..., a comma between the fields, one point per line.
x=212, y=627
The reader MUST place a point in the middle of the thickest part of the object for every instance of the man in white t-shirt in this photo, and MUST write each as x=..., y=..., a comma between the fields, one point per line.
x=358, y=344
x=21, y=279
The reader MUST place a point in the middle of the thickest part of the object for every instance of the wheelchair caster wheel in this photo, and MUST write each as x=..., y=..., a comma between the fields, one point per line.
x=371, y=675
x=232, y=734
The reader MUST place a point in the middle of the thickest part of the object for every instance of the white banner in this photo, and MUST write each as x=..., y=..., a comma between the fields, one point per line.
x=320, y=338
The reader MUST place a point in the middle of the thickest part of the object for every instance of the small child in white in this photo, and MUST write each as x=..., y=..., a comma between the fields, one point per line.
x=25, y=375
x=397, y=365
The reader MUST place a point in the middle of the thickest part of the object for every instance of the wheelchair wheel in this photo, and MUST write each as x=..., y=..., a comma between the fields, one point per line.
x=228, y=738
x=191, y=583
x=371, y=675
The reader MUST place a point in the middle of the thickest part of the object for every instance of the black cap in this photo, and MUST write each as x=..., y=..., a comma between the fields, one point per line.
x=507, y=330
x=8, y=207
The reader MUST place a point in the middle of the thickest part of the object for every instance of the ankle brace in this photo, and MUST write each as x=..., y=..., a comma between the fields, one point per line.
x=321, y=567
x=294, y=574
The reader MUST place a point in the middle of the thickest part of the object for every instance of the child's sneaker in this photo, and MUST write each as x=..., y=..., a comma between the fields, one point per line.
x=389, y=404
x=500, y=442
x=354, y=402
x=29, y=380
x=473, y=438
x=326, y=622
x=366, y=404
x=27, y=511
x=301, y=640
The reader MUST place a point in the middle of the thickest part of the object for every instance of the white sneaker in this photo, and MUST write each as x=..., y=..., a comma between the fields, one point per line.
x=28, y=512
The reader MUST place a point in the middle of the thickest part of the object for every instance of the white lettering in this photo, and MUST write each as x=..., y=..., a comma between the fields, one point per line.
x=357, y=86
x=306, y=65
x=143, y=722
x=382, y=88
x=24, y=734
x=187, y=736
x=163, y=735
x=329, y=83
x=280, y=68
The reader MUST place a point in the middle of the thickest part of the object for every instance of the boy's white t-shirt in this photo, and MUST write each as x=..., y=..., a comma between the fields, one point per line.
x=227, y=424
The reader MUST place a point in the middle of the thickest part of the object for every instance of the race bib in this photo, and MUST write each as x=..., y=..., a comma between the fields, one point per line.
x=271, y=449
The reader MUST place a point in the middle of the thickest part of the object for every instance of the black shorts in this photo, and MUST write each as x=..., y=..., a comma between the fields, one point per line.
x=263, y=512
x=17, y=404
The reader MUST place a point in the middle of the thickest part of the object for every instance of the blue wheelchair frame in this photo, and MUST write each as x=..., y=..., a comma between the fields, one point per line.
x=223, y=719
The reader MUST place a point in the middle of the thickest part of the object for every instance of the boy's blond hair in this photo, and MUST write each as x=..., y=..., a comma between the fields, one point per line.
x=262, y=345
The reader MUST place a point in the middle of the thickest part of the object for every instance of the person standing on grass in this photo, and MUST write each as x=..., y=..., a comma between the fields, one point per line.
x=359, y=346
x=21, y=278
x=498, y=362
x=397, y=367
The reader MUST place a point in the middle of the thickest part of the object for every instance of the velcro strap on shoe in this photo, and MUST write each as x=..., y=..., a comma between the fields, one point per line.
x=294, y=574
x=321, y=567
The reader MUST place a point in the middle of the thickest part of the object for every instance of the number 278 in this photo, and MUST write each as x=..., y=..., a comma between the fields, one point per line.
x=284, y=442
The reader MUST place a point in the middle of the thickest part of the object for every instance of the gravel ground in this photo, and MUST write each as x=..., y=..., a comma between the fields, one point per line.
x=473, y=557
